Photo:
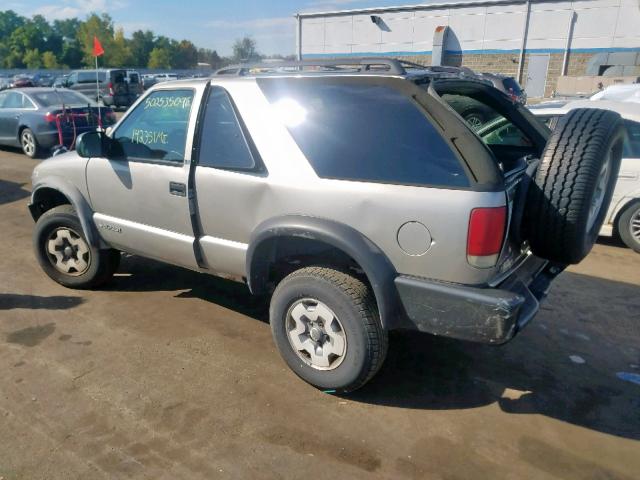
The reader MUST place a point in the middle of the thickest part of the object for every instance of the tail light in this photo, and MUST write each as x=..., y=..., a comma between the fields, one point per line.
x=485, y=236
x=110, y=87
x=49, y=117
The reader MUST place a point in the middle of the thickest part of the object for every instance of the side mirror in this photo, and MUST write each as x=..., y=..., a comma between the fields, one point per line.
x=93, y=144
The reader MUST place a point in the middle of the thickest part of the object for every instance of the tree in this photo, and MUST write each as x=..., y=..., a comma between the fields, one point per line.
x=185, y=55
x=141, y=44
x=244, y=50
x=160, y=58
x=32, y=58
x=98, y=26
x=120, y=54
x=49, y=60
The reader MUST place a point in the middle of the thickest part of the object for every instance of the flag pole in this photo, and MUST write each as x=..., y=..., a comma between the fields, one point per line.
x=98, y=96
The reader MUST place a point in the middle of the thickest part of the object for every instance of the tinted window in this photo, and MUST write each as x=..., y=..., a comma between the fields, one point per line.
x=503, y=132
x=358, y=131
x=133, y=77
x=223, y=144
x=90, y=76
x=157, y=128
x=60, y=97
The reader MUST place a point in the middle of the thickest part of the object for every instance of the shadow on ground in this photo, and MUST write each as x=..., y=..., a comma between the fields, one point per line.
x=11, y=191
x=532, y=374
x=10, y=301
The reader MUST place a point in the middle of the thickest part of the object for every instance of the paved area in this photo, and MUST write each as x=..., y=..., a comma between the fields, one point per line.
x=171, y=374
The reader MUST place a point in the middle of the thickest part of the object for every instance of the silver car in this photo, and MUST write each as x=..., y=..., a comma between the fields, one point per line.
x=353, y=195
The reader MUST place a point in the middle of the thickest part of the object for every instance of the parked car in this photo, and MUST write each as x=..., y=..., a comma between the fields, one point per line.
x=508, y=85
x=43, y=80
x=22, y=81
x=61, y=81
x=619, y=93
x=357, y=198
x=623, y=215
x=5, y=82
x=115, y=87
x=37, y=119
x=148, y=81
x=165, y=77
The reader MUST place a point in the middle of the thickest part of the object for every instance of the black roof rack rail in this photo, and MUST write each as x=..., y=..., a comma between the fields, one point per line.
x=389, y=66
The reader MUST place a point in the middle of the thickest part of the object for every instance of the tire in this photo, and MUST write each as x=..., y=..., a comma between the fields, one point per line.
x=628, y=226
x=325, y=295
x=29, y=143
x=87, y=267
x=475, y=119
x=571, y=192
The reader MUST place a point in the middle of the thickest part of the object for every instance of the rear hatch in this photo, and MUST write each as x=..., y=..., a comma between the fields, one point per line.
x=516, y=141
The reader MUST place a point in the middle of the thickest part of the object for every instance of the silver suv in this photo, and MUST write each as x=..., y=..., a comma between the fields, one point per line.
x=353, y=194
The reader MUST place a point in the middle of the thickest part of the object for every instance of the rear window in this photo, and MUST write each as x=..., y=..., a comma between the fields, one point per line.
x=363, y=132
x=61, y=97
x=133, y=77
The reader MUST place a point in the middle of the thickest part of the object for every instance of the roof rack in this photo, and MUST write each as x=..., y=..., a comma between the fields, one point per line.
x=388, y=66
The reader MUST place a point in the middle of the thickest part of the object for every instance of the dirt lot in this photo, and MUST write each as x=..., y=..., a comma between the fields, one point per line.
x=172, y=374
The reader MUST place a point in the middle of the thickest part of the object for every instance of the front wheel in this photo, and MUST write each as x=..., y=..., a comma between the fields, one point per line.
x=628, y=226
x=64, y=253
x=326, y=326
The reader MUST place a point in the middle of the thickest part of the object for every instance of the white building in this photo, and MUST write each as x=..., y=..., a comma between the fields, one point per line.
x=536, y=40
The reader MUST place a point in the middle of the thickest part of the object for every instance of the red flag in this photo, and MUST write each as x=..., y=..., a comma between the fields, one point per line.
x=97, y=47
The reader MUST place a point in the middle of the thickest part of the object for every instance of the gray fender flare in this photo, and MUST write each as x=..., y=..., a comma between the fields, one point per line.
x=79, y=202
x=375, y=264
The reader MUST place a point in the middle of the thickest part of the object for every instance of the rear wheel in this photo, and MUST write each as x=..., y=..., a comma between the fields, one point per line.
x=326, y=326
x=572, y=189
x=628, y=226
x=29, y=143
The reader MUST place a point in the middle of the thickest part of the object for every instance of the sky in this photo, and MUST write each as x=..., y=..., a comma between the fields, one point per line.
x=211, y=24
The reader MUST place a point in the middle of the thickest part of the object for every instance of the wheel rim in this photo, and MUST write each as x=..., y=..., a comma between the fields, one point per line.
x=316, y=334
x=28, y=142
x=474, y=121
x=68, y=252
x=600, y=193
x=634, y=226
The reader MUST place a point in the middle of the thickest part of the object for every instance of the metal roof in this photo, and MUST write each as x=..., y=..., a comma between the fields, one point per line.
x=421, y=6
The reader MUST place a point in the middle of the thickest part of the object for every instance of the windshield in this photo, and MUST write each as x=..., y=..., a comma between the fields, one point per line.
x=61, y=97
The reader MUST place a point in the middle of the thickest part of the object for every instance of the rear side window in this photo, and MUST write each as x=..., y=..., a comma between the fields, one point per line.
x=90, y=77
x=363, y=132
x=223, y=143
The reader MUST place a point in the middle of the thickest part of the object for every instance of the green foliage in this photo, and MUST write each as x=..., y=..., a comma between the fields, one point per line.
x=160, y=58
x=49, y=60
x=32, y=58
x=35, y=43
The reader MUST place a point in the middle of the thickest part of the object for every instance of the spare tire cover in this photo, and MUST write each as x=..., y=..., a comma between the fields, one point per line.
x=571, y=191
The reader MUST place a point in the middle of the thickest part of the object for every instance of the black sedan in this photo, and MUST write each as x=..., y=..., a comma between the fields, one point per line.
x=38, y=119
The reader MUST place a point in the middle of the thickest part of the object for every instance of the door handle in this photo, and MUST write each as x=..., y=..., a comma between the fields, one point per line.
x=179, y=189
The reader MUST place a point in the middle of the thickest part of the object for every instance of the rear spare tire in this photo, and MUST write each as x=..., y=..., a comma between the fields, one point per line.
x=572, y=189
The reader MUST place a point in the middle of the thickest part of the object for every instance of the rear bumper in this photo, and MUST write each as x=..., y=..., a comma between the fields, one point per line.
x=486, y=315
